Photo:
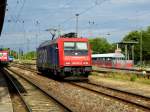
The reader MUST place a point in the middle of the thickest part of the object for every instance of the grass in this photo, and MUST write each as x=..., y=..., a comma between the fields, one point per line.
x=94, y=73
x=143, y=80
x=133, y=78
x=126, y=77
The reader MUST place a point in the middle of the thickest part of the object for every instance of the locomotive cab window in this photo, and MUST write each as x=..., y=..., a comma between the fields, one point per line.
x=75, y=48
x=81, y=46
x=69, y=46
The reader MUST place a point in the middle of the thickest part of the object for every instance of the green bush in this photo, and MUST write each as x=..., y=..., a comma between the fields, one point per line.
x=133, y=78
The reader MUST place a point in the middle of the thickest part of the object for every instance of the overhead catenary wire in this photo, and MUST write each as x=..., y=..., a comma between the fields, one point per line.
x=68, y=19
x=21, y=9
x=68, y=3
x=84, y=11
x=96, y=3
x=60, y=24
x=89, y=8
x=16, y=17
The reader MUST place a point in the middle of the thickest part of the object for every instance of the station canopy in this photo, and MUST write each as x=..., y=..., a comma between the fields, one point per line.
x=108, y=55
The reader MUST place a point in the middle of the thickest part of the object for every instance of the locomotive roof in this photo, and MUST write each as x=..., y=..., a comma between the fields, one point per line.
x=3, y=51
x=49, y=42
x=108, y=55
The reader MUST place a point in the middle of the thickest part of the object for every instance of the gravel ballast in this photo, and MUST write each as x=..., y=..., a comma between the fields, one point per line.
x=77, y=99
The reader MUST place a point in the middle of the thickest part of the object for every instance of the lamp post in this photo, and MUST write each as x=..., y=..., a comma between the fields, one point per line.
x=90, y=27
x=23, y=22
x=37, y=24
x=77, y=15
x=141, y=49
x=132, y=49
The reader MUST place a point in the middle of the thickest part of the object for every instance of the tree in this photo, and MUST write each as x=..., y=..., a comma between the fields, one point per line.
x=13, y=53
x=100, y=45
x=137, y=36
x=30, y=55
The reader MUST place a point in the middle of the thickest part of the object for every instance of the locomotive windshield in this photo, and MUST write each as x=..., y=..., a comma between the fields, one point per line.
x=69, y=46
x=81, y=46
x=75, y=48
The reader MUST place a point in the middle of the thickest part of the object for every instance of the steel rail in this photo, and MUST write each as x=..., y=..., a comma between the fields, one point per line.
x=111, y=96
x=17, y=89
x=40, y=88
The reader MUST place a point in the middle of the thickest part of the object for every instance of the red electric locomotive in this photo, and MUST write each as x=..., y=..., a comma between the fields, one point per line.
x=65, y=56
x=4, y=57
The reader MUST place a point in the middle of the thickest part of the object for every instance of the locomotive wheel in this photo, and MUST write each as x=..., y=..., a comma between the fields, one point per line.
x=86, y=74
x=55, y=73
x=62, y=75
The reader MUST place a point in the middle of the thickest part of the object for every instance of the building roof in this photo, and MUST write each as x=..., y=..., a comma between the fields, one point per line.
x=108, y=55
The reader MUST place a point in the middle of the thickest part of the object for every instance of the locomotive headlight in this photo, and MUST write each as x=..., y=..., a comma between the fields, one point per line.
x=67, y=63
x=85, y=62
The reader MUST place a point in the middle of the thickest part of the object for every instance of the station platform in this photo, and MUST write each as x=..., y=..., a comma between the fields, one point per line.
x=5, y=100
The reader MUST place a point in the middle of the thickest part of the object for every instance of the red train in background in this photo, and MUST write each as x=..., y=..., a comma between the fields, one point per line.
x=4, y=57
x=65, y=56
x=111, y=60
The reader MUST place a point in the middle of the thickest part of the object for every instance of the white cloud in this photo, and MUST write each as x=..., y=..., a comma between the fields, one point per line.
x=129, y=1
x=116, y=17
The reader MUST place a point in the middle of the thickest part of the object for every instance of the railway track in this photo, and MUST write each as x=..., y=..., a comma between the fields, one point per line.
x=34, y=98
x=120, y=95
x=127, y=97
x=101, y=70
x=128, y=71
x=16, y=95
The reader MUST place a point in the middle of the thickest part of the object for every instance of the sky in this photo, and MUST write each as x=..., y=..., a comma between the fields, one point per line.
x=26, y=21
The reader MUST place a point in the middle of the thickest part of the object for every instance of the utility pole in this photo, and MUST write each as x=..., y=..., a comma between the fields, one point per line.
x=141, y=49
x=24, y=35
x=127, y=52
x=90, y=27
x=37, y=24
x=28, y=44
x=77, y=15
x=132, y=48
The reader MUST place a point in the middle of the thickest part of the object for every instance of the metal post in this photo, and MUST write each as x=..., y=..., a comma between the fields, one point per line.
x=18, y=55
x=59, y=30
x=37, y=23
x=141, y=49
x=36, y=37
x=133, y=53
x=77, y=15
x=28, y=44
x=24, y=34
x=117, y=46
x=126, y=51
